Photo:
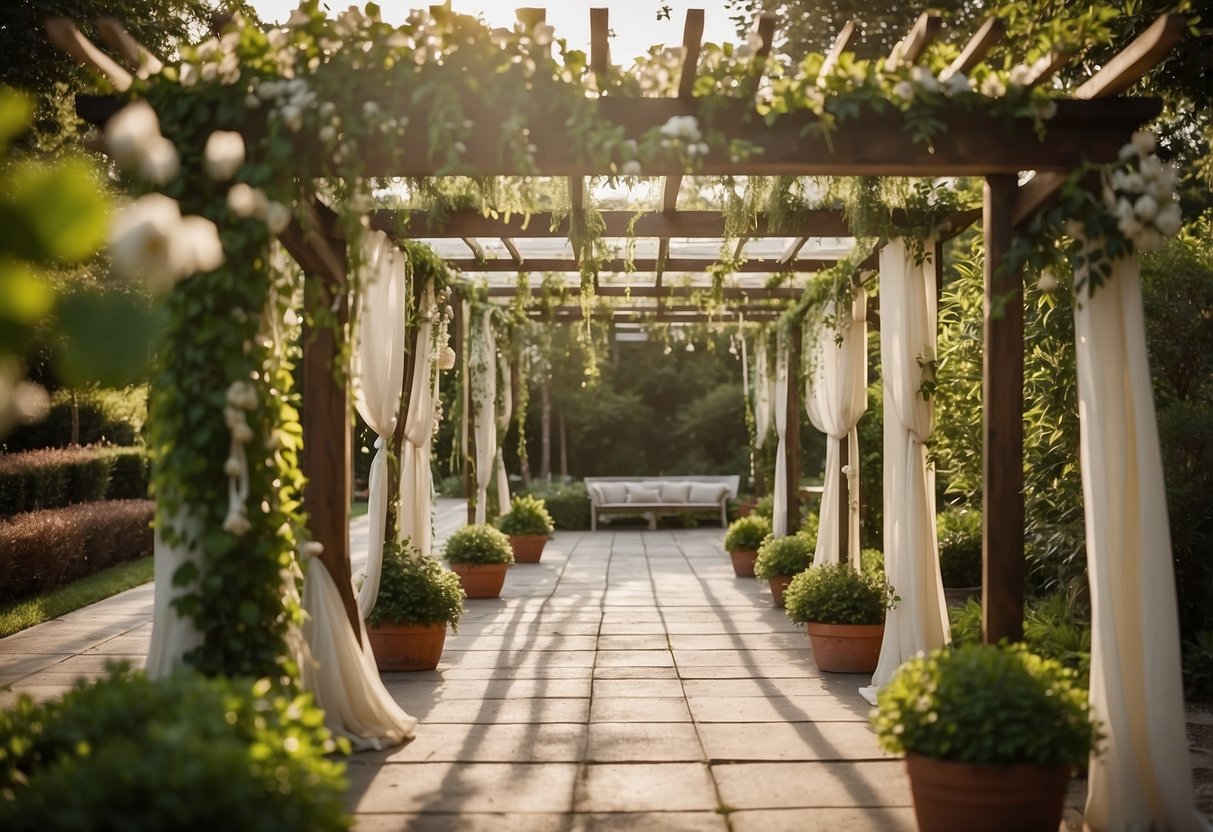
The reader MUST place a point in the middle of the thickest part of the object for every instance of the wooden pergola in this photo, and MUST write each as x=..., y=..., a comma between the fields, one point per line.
x=1091, y=126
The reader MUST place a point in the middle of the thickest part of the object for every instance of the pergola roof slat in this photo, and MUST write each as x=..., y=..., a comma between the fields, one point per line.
x=666, y=292
x=64, y=34
x=600, y=47
x=141, y=61
x=841, y=44
x=641, y=265
x=983, y=40
x=916, y=41
x=515, y=255
x=692, y=37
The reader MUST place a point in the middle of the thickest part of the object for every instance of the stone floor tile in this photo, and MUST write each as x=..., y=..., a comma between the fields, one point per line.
x=788, y=671
x=654, y=641
x=465, y=822
x=15, y=666
x=518, y=659
x=437, y=742
x=777, y=708
x=641, y=672
x=740, y=658
x=637, y=688
x=625, y=628
x=649, y=709
x=494, y=711
x=789, y=741
x=462, y=787
x=643, y=741
x=645, y=787
x=518, y=642
x=828, y=685
x=406, y=689
x=792, y=644
x=523, y=672
x=634, y=658
x=868, y=819
x=650, y=822
x=812, y=785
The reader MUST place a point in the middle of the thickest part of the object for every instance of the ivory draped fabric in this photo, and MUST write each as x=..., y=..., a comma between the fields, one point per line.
x=172, y=635
x=764, y=393
x=483, y=371
x=836, y=396
x=505, y=410
x=416, y=478
x=911, y=553
x=341, y=673
x=1143, y=779
x=779, y=523
x=378, y=381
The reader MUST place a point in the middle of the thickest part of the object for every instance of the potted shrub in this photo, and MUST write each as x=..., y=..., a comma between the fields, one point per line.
x=529, y=526
x=779, y=558
x=844, y=611
x=418, y=598
x=960, y=553
x=990, y=734
x=479, y=555
x=742, y=541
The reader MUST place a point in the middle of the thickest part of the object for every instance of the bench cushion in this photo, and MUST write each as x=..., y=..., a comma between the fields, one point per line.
x=612, y=492
x=637, y=493
x=675, y=492
x=708, y=492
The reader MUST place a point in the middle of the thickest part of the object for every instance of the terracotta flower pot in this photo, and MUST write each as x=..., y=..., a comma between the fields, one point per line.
x=778, y=584
x=407, y=646
x=954, y=796
x=528, y=548
x=846, y=648
x=743, y=563
x=481, y=580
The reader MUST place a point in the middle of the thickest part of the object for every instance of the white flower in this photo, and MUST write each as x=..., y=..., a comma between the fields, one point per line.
x=1124, y=208
x=1047, y=282
x=1129, y=225
x=1118, y=179
x=1143, y=142
x=277, y=217
x=904, y=90
x=446, y=360
x=223, y=155
x=1168, y=219
x=196, y=246
x=1145, y=207
x=141, y=241
x=369, y=109
x=923, y=77
x=232, y=467
x=292, y=117
x=189, y=75
x=1168, y=178
x=956, y=84
x=1019, y=75
x=1134, y=183
x=631, y=168
x=992, y=87
x=130, y=131
x=244, y=200
x=327, y=134
x=159, y=163
x=1150, y=167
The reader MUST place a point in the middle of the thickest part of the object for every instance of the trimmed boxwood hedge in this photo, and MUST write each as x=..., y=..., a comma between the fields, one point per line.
x=41, y=550
x=59, y=477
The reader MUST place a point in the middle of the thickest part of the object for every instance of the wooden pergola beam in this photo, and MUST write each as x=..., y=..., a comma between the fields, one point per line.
x=141, y=61
x=643, y=265
x=765, y=29
x=916, y=41
x=663, y=257
x=842, y=42
x=600, y=46
x=474, y=247
x=692, y=37
x=1045, y=67
x=513, y=250
x=667, y=292
x=64, y=34
x=983, y=40
x=574, y=313
x=789, y=253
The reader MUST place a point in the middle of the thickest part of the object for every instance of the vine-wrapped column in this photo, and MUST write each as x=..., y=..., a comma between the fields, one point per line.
x=482, y=370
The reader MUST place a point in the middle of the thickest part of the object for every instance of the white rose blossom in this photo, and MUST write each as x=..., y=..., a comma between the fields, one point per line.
x=277, y=217
x=129, y=133
x=223, y=155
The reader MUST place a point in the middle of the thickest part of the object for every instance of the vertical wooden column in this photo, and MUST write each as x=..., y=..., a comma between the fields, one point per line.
x=844, y=500
x=1002, y=530
x=793, y=429
x=326, y=430
x=467, y=436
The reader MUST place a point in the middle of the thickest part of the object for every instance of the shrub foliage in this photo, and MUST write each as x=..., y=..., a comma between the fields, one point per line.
x=415, y=589
x=783, y=556
x=527, y=516
x=837, y=594
x=747, y=533
x=478, y=544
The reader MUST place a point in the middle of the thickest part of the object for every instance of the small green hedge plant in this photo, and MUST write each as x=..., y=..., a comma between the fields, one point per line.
x=837, y=594
x=527, y=516
x=568, y=503
x=747, y=534
x=480, y=543
x=183, y=752
x=959, y=546
x=416, y=589
x=983, y=704
x=783, y=557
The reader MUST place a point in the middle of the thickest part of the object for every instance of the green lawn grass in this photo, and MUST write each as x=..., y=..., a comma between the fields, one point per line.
x=19, y=615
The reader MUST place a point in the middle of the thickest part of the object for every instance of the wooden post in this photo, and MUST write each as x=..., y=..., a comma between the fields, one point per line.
x=467, y=435
x=793, y=430
x=844, y=501
x=1002, y=423
x=326, y=433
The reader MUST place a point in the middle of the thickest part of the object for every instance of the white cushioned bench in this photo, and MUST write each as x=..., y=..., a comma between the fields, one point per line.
x=653, y=496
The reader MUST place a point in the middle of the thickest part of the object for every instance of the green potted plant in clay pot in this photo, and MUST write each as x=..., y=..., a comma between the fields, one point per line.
x=781, y=558
x=480, y=555
x=417, y=599
x=844, y=612
x=991, y=735
x=959, y=532
x=742, y=540
x=528, y=526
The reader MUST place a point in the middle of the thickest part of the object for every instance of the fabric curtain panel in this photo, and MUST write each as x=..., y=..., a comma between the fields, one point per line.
x=172, y=635
x=505, y=410
x=836, y=396
x=341, y=673
x=416, y=478
x=483, y=371
x=779, y=524
x=378, y=381
x=1143, y=778
x=911, y=550
x=764, y=391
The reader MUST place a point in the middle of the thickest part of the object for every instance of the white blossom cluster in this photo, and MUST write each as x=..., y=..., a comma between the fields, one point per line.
x=683, y=131
x=1141, y=194
x=241, y=398
x=212, y=60
x=149, y=239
